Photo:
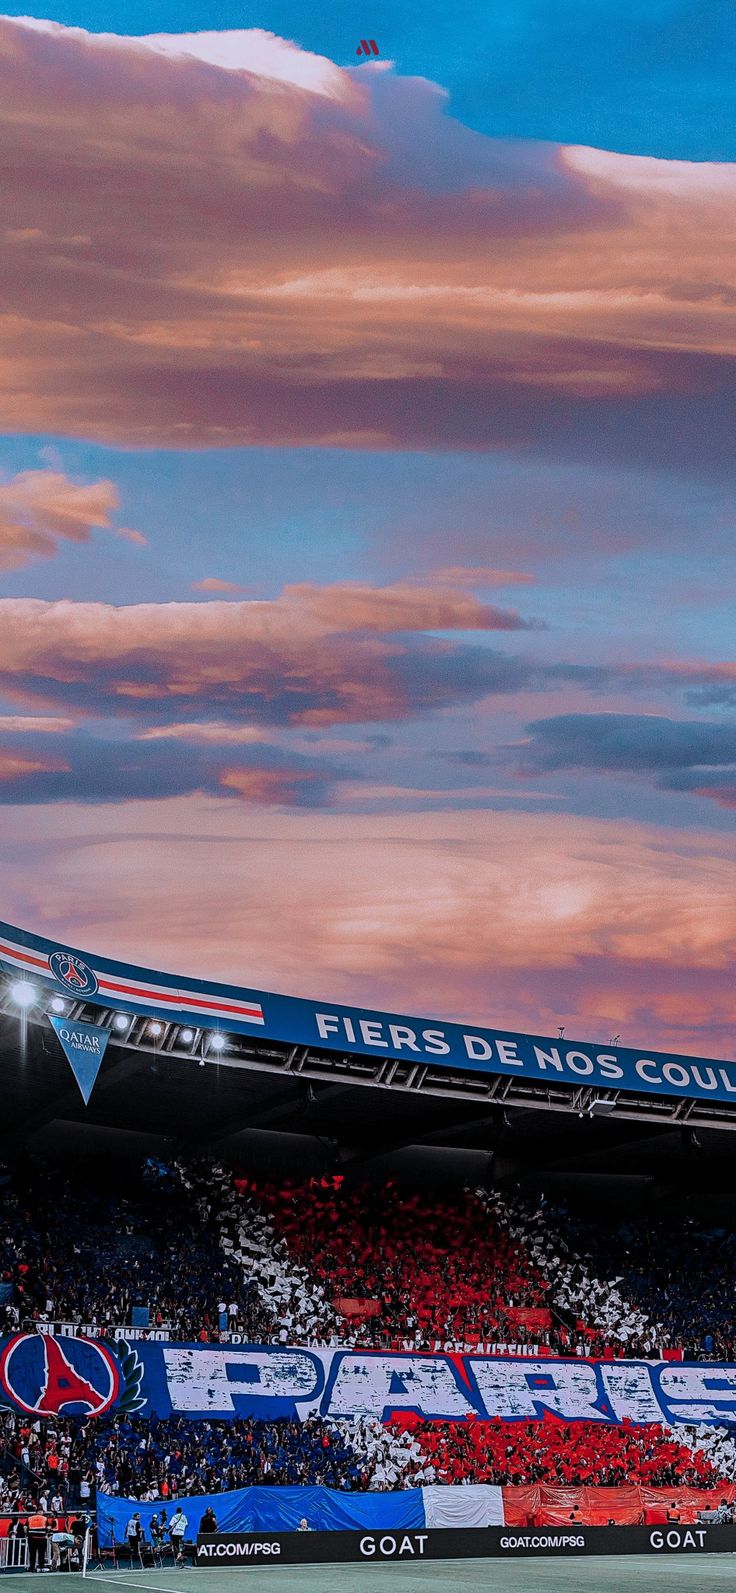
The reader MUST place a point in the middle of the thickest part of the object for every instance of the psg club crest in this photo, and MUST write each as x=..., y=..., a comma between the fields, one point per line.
x=46, y=1376
x=73, y=974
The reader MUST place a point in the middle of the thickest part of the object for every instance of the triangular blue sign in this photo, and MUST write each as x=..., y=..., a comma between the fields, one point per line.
x=84, y=1045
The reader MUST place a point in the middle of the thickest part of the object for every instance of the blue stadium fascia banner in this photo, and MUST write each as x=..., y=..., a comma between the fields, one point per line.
x=45, y=1374
x=358, y=1031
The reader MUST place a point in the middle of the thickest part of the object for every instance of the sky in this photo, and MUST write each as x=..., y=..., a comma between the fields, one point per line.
x=367, y=567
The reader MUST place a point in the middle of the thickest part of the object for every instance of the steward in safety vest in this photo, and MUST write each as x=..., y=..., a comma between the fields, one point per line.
x=37, y=1540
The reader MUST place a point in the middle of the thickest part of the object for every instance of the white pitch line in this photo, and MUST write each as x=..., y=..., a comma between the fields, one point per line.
x=117, y=1581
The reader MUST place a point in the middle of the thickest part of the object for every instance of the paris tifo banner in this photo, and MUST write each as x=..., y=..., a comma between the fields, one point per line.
x=59, y=970
x=48, y=1375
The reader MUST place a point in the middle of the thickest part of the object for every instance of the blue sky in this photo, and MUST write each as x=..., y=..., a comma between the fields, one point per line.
x=654, y=78
x=366, y=504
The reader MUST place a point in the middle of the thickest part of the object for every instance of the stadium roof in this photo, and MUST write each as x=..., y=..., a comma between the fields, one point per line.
x=161, y=1082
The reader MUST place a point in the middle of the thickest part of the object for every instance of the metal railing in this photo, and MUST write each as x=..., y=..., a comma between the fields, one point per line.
x=14, y=1554
x=54, y=1547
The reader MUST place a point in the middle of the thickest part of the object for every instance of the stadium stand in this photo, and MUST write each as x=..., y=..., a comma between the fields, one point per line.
x=371, y=1244
x=513, y=1273
x=682, y=1276
x=160, y=1460
x=551, y=1452
x=334, y=1261
x=72, y=1250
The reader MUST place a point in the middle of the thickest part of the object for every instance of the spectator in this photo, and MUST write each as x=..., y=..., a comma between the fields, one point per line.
x=62, y=1544
x=177, y=1530
x=134, y=1537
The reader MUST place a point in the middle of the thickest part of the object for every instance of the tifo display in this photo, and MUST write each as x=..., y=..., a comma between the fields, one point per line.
x=358, y=1355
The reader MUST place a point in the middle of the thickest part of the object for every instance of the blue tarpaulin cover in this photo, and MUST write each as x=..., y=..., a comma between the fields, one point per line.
x=271, y=1509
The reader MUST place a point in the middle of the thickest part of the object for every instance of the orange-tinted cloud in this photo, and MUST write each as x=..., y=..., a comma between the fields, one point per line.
x=352, y=606
x=96, y=771
x=211, y=732
x=480, y=575
x=281, y=786
x=35, y=724
x=314, y=655
x=14, y=767
x=338, y=292
x=213, y=583
x=41, y=509
x=525, y=920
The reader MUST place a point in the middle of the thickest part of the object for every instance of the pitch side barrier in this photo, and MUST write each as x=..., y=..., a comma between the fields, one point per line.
x=454, y=1543
x=81, y=995
x=35, y=1540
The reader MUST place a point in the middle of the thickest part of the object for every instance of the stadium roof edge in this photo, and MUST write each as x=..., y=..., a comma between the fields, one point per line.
x=259, y=1029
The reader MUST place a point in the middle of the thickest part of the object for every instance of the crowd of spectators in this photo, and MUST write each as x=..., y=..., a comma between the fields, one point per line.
x=678, y=1272
x=640, y=1286
x=206, y=1251
x=90, y=1251
x=332, y=1261
x=565, y=1455
x=437, y=1268
x=60, y=1463
x=152, y=1460
x=589, y=1298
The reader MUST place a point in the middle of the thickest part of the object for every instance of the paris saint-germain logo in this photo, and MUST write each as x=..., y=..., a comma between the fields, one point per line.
x=73, y=974
x=47, y=1376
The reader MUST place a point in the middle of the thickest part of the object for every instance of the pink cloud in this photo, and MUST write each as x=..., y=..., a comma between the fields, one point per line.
x=329, y=298
x=524, y=920
x=209, y=733
x=273, y=786
x=723, y=795
x=213, y=583
x=355, y=606
x=41, y=509
x=315, y=655
x=14, y=766
x=32, y=724
x=480, y=575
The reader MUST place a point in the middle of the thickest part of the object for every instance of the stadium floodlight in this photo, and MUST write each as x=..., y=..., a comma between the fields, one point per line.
x=58, y=1004
x=121, y=1021
x=186, y=1036
x=23, y=994
x=601, y=1107
x=218, y=1043
x=156, y=1029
